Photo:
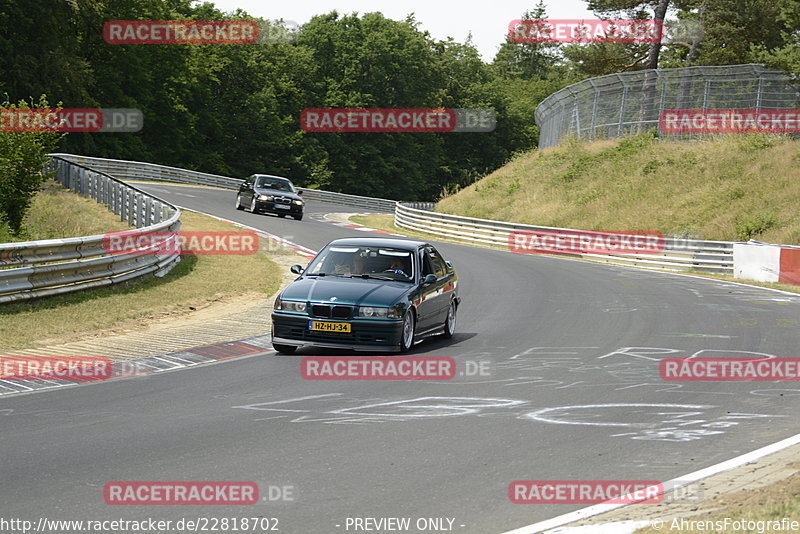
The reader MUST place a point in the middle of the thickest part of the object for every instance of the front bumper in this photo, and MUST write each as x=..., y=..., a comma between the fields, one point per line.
x=294, y=209
x=366, y=334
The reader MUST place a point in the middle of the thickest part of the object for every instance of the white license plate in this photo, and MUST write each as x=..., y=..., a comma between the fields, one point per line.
x=282, y=206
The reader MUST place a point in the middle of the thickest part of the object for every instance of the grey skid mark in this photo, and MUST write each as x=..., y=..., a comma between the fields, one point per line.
x=549, y=350
x=335, y=420
x=446, y=407
x=641, y=352
x=726, y=351
x=669, y=388
x=688, y=334
x=257, y=406
x=549, y=415
x=775, y=392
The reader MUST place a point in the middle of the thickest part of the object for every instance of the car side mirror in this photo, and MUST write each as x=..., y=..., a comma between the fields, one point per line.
x=297, y=269
x=299, y=192
x=429, y=279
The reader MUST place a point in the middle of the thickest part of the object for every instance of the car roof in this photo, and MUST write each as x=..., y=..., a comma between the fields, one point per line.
x=269, y=176
x=379, y=242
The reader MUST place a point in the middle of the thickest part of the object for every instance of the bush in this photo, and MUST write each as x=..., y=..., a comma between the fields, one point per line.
x=22, y=156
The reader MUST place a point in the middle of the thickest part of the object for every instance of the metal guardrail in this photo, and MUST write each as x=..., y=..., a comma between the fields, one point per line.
x=56, y=266
x=678, y=254
x=631, y=102
x=374, y=204
x=136, y=170
x=139, y=170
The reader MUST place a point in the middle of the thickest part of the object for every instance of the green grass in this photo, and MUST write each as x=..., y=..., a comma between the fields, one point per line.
x=195, y=283
x=769, y=503
x=57, y=213
x=729, y=188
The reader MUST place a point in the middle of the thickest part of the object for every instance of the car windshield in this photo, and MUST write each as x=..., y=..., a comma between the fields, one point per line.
x=364, y=261
x=274, y=183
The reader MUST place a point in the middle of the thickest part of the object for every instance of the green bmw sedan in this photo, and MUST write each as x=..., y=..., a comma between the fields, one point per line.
x=369, y=294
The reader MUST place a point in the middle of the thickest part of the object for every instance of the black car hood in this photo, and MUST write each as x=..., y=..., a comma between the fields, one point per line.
x=347, y=291
x=277, y=193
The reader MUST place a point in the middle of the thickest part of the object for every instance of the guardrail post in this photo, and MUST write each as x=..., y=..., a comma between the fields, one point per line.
x=137, y=207
x=148, y=211
x=103, y=190
x=124, y=205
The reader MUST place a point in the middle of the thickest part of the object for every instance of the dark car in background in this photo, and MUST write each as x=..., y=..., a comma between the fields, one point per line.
x=273, y=194
x=373, y=294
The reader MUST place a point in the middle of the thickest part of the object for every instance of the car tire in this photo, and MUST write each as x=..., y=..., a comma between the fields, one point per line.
x=239, y=202
x=407, y=332
x=284, y=349
x=450, y=321
x=253, y=205
x=298, y=217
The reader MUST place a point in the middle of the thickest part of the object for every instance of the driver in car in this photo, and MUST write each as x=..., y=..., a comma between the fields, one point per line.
x=399, y=266
x=349, y=264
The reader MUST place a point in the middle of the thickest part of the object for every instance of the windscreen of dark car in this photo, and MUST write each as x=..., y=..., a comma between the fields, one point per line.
x=274, y=183
x=372, y=262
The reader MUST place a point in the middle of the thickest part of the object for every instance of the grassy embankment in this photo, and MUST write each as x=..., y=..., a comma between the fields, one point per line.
x=731, y=188
x=195, y=283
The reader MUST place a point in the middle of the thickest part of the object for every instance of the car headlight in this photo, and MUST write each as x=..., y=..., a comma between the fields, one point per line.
x=265, y=198
x=297, y=202
x=371, y=311
x=290, y=305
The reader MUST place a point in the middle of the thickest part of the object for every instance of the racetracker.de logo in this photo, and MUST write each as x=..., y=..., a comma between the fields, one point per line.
x=183, y=243
x=398, y=120
x=729, y=121
x=106, y=120
x=584, y=242
x=729, y=369
x=377, y=368
x=181, y=32
x=585, y=491
x=585, y=31
x=67, y=368
x=197, y=493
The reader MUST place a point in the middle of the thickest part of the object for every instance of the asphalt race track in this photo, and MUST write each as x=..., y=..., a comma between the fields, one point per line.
x=573, y=393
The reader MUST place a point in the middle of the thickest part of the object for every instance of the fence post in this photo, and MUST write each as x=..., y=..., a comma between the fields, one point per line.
x=622, y=105
x=759, y=90
x=594, y=108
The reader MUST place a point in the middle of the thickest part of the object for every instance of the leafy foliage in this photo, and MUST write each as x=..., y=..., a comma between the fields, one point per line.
x=22, y=156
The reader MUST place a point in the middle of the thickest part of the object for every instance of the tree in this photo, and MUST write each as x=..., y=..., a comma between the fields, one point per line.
x=527, y=60
x=22, y=157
